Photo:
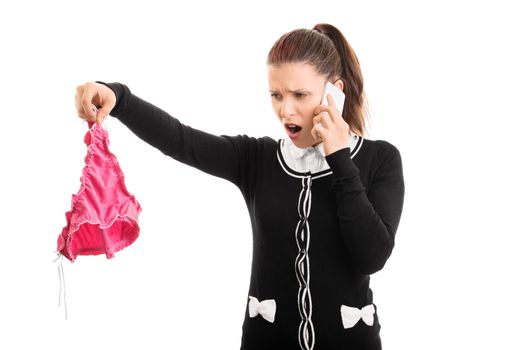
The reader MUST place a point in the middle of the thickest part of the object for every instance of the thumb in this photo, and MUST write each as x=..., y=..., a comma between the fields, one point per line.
x=102, y=113
x=316, y=132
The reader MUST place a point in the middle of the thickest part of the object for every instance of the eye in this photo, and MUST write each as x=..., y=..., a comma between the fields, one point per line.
x=274, y=95
x=299, y=95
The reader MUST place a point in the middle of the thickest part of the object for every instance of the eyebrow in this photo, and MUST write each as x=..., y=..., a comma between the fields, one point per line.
x=294, y=91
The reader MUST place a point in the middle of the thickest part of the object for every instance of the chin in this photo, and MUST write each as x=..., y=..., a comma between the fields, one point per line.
x=302, y=144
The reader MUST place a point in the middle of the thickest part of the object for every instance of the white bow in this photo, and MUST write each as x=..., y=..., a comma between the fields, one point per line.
x=352, y=315
x=265, y=308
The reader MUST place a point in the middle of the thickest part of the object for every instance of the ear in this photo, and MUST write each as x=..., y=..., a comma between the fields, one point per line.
x=339, y=83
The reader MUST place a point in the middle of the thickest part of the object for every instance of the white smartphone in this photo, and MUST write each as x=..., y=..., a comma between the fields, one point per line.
x=338, y=95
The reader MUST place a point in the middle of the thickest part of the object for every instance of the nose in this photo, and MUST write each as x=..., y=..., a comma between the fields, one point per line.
x=287, y=108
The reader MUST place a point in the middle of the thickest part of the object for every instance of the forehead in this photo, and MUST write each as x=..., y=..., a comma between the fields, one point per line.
x=293, y=76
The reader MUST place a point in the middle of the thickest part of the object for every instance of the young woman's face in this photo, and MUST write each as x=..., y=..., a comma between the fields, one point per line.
x=296, y=90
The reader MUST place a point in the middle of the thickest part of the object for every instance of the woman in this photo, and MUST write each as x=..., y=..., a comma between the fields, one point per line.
x=324, y=203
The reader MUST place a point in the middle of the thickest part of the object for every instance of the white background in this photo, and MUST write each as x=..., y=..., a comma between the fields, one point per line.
x=445, y=85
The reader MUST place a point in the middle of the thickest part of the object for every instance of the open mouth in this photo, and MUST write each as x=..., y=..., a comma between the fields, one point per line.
x=292, y=128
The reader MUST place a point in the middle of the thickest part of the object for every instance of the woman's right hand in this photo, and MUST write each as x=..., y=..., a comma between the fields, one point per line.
x=94, y=101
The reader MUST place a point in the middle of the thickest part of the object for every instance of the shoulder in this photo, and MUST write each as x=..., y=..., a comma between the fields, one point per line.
x=380, y=149
x=383, y=156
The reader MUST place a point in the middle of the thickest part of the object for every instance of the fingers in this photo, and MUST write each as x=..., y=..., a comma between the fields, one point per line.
x=331, y=101
x=94, y=101
x=88, y=101
x=332, y=110
x=102, y=113
x=329, y=123
x=329, y=127
x=318, y=132
x=324, y=119
x=321, y=123
x=78, y=105
x=83, y=101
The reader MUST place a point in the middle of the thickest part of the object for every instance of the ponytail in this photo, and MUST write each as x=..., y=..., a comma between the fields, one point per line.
x=355, y=106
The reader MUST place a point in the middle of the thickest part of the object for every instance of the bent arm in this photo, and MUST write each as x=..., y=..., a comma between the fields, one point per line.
x=368, y=223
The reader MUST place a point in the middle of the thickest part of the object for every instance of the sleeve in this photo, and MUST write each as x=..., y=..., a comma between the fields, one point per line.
x=368, y=223
x=228, y=157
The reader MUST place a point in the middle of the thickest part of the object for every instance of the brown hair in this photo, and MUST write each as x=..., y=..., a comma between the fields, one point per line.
x=326, y=48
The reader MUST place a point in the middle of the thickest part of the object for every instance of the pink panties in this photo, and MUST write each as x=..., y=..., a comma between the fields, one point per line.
x=104, y=216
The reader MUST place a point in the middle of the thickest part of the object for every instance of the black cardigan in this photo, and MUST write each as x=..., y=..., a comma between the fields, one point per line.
x=316, y=236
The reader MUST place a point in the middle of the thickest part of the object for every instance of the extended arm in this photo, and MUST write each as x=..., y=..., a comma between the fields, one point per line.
x=217, y=155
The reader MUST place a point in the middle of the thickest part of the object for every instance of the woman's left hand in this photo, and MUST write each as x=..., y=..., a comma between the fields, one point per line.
x=330, y=127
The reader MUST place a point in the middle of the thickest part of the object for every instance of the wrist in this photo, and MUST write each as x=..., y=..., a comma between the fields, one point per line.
x=332, y=148
x=122, y=95
x=341, y=163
